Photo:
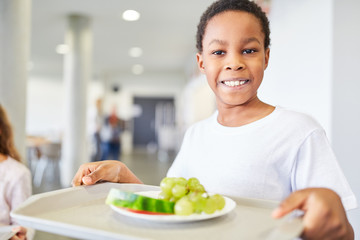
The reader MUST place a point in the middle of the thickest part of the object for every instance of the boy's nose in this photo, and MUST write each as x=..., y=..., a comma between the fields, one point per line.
x=234, y=64
x=234, y=67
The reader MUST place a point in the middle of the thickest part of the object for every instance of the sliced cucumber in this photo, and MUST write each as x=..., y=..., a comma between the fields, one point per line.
x=135, y=201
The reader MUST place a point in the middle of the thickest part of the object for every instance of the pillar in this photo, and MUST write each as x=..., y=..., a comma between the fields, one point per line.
x=14, y=56
x=77, y=73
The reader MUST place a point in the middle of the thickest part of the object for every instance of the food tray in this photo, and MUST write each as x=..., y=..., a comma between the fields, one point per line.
x=81, y=212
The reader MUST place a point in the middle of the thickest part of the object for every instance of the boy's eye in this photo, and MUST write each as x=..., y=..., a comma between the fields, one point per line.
x=218, y=52
x=249, y=51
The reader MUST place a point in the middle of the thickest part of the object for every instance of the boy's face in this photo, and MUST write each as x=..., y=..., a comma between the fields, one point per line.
x=233, y=57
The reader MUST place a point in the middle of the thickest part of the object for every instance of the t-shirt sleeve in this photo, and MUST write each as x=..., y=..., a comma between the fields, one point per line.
x=317, y=166
x=20, y=190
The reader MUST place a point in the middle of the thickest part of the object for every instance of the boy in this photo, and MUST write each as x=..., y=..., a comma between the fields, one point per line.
x=249, y=148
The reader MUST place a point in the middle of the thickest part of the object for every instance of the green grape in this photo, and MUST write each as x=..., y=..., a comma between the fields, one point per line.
x=219, y=200
x=180, y=181
x=189, y=196
x=184, y=207
x=198, y=201
x=210, y=206
x=199, y=188
x=167, y=184
x=178, y=191
x=164, y=196
x=173, y=199
x=192, y=182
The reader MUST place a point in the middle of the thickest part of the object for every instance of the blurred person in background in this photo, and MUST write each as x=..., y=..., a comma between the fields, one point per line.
x=95, y=126
x=15, y=179
x=111, y=136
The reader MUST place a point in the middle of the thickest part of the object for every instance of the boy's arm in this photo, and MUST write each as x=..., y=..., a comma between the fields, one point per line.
x=110, y=171
x=324, y=214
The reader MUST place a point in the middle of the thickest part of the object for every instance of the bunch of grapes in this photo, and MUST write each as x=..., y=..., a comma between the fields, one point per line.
x=189, y=196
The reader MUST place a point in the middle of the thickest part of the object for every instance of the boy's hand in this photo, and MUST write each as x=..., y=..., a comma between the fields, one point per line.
x=110, y=171
x=324, y=214
x=20, y=233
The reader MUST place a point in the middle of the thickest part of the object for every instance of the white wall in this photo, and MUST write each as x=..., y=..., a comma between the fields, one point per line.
x=346, y=97
x=45, y=98
x=198, y=101
x=44, y=106
x=299, y=71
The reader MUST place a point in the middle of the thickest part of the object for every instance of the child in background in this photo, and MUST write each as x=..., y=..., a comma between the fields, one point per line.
x=15, y=179
x=249, y=148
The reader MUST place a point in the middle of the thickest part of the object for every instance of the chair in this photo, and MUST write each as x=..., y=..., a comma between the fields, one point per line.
x=49, y=160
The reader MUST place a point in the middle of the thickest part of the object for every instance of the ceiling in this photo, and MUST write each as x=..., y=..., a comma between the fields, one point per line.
x=166, y=33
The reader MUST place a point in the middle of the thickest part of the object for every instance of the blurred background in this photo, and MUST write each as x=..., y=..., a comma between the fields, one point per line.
x=75, y=70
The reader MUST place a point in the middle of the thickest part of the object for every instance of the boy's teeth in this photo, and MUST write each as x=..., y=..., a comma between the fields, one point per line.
x=235, y=83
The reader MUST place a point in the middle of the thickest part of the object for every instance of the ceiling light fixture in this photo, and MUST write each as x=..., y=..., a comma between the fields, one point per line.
x=62, y=49
x=135, y=52
x=131, y=15
x=137, y=69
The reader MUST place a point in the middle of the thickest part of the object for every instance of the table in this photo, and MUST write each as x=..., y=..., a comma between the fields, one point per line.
x=43, y=154
x=33, y=143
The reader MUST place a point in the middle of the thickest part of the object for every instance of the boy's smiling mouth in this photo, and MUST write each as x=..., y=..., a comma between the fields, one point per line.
x=235, y=83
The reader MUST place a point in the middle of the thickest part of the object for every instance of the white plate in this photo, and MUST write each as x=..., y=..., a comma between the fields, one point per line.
x=229, y=206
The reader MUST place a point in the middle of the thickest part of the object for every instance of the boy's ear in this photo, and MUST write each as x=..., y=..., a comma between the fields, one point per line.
x=200, y=62
x=267, y=56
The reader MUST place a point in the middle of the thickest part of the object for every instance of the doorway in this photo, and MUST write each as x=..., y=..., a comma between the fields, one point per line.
x=154, y=113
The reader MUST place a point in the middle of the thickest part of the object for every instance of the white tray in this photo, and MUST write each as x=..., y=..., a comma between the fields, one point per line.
x=81, y=213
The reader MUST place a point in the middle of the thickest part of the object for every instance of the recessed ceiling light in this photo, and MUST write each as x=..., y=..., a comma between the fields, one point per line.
x=137, y=69
x=62, y=49
x=135, y=52
x=131, y=15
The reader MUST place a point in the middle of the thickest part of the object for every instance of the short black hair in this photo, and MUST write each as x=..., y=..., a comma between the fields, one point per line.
x=232, y=5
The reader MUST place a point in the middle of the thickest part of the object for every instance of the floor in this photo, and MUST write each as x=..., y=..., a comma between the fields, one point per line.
x=146, y=165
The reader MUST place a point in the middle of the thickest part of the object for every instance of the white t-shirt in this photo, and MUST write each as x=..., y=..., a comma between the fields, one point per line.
x=15, y=188
x=266, y=159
